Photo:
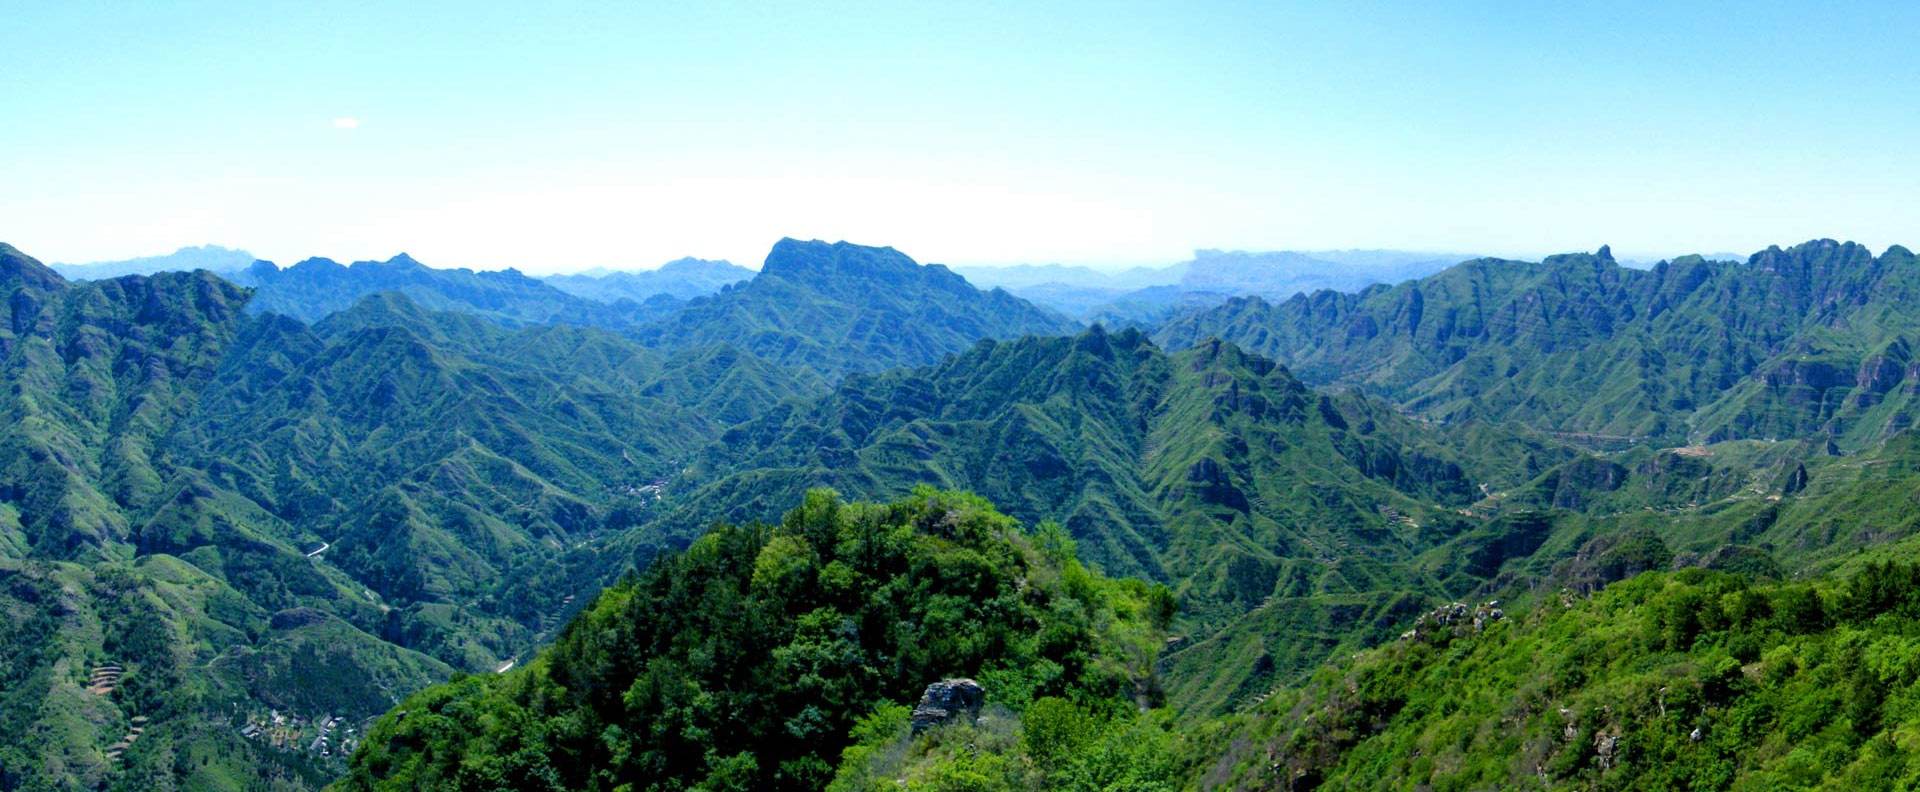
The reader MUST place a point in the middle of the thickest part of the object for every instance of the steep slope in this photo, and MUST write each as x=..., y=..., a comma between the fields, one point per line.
x=453, y=467
x=19, y=270
x=743, y=662
x=1790, y=342
x=1675, y=681
x=140, y=603
x=1782, y=508
x=681, y=279
x=314, y=288
x=95, y=374
x=840, y=308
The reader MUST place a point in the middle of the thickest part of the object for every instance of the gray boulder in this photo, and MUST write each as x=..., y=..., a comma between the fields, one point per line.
x=946, y=701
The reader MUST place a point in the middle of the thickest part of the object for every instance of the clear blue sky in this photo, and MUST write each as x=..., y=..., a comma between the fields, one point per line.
x=976, y=132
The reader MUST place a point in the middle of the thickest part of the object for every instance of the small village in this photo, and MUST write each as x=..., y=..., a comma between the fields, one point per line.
x=326, y=736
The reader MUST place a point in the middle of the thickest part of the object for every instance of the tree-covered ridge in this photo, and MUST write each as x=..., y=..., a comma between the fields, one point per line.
x=444, y=459
x=1212, y=470
x=1690, y=680
x=1810, y=340
x=745, y=661
x=1113, y=438
x=839, y=308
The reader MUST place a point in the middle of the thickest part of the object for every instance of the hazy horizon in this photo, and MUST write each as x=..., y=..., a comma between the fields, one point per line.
x=967, y=134
x=535, y=270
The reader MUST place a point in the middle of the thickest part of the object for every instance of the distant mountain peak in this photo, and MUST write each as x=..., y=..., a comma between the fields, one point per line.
x=813, y=258
x=212, y=258
x=841, y=307
x=680, y=279
x=692, y=263
x=315, y=262
x=398, y=261
x=207, y=249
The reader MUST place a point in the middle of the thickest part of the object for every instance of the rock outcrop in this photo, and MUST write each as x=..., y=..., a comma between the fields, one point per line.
x=947, y=701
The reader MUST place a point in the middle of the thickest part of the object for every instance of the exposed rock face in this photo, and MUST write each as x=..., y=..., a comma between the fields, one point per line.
x=946, y=701
x=1454, y=620
x=1795, y=480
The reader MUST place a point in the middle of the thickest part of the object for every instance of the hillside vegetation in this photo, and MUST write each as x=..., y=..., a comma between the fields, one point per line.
x=743, y=662
x=1694, y=680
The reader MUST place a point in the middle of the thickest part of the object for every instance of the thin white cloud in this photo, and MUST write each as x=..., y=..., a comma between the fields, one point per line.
x=346, y=122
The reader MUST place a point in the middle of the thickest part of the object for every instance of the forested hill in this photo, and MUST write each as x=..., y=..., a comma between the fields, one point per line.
x=839, y=308
x=1690, y=680
x=753, y=659
x=1813, y=340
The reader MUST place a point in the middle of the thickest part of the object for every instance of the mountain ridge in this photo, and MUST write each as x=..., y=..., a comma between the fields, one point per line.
x=682, y=278
x=1596, y=335
x=840, y=308
x=212, y=258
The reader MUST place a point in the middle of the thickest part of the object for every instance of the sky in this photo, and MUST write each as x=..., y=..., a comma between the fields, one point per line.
x=1106, y=133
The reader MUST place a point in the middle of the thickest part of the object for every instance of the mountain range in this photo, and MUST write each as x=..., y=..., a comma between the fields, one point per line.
x=1811, y=340
x=317, y=287
x=385, y=478
x=1510, y=523
x=1143, y=296
x=212, y=258
x=681, y=279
